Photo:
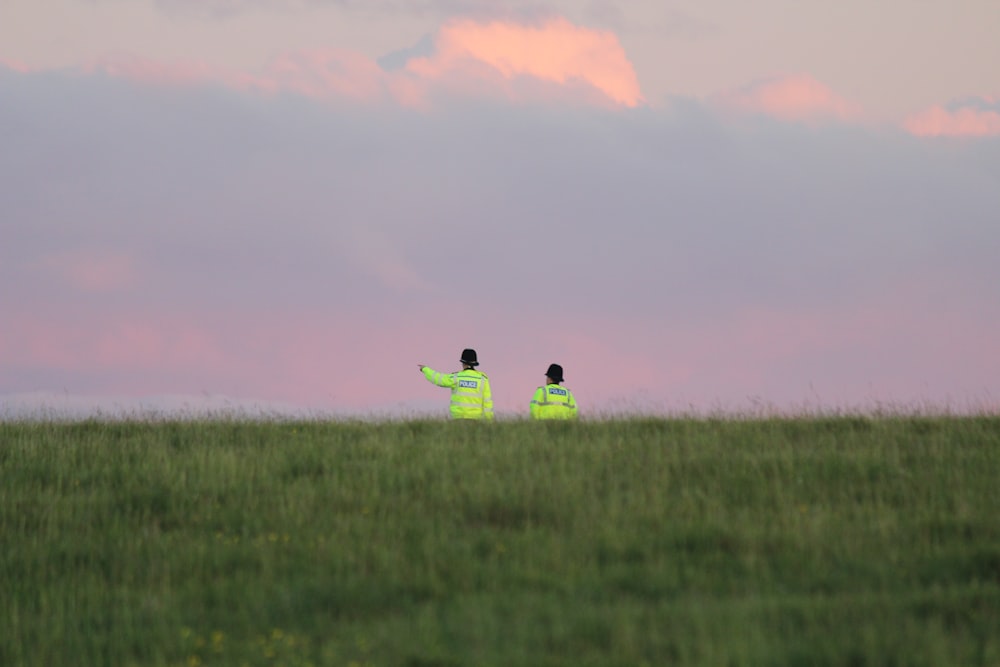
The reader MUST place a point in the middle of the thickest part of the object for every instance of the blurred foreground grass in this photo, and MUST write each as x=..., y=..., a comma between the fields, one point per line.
x=812, y=541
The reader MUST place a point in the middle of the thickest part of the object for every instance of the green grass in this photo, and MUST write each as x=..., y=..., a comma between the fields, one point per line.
x=810, y=541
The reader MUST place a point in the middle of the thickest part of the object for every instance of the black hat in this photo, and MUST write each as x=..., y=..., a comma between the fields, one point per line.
x=469, y=357
x=554, y=373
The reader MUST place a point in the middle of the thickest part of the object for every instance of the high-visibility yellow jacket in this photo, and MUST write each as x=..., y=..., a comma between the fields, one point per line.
x=553, y=402
x=470, y=392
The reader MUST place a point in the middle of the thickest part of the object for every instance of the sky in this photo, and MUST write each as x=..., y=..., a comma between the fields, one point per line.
x=710, y=207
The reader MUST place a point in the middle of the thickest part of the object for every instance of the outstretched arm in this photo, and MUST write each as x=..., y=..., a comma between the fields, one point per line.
x=440, y=379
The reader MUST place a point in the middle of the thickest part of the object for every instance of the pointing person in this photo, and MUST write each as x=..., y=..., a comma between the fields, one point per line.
x=470, y=389
x=553, y=401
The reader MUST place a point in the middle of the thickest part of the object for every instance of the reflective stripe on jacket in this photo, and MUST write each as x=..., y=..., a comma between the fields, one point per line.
x=470, y=392
x=553, y=402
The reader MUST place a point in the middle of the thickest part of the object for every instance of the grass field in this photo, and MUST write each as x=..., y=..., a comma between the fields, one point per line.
x=793, y=541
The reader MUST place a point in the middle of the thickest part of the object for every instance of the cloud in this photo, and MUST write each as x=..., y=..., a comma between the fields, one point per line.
x=555, y=51
x=88, y=271
x=551, y=60
x=517, y=10
x=322, y=73
x=14, y=64
x=791, y=98
x=315, y=73
x=146, y=70
x=183, y=239
x=111, y=342
x=376, y=256
x=224, y=8
x=978, y=117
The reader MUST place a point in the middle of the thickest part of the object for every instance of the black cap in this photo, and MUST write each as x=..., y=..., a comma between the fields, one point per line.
x=554, y=373
x=469, y=357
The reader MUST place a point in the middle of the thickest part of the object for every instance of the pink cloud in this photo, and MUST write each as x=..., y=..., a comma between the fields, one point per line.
x=82, y=341
x=320, y=360
x=15, y=65
x=137, y=68
x=358, y=360
x=312, y=360
x=793, y=98
x=323, y=73
x=90, y=271
x=555, y=51
x=470, y=58
x=315, y=73
x=963, y=122
x=841, y=357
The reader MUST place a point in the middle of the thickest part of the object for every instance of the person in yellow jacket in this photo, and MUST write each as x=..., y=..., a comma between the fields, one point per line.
x=553, y=401
x=471, y=397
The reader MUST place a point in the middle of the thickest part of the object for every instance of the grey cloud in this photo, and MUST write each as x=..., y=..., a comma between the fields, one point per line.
x=597, y=12
x=397, y=59
x=233, y=200
x=978, y=102
x=431, y=8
